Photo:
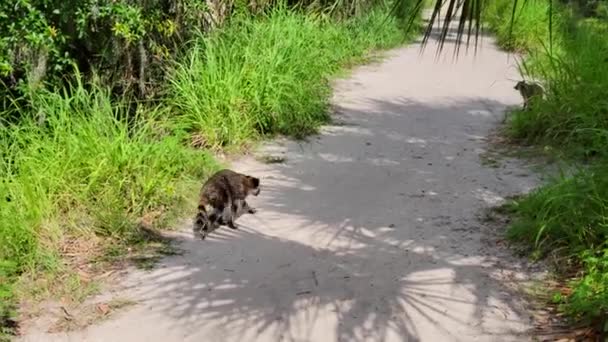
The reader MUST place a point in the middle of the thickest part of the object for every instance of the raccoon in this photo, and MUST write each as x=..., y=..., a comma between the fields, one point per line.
x=529, y=91
x=222, y=199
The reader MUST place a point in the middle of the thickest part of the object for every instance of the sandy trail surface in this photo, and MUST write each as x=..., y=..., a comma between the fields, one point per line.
x=369, y=231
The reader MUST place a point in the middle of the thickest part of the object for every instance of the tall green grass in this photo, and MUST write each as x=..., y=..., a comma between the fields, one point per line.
x=85, y=171
x=530, y=28
x=573, y=115
x=568, y=217
x=570, y=213
x=269, y=75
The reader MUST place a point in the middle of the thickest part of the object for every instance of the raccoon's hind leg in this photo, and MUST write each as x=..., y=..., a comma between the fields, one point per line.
x=216, y=218
x=228, y=215
x=230, y=222
x=205, y=224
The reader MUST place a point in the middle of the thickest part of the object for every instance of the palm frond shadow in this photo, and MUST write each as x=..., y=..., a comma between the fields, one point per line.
x=373, y=305
x=349, y=268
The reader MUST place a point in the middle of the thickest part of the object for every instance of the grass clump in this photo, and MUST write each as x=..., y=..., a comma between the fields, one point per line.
x=268, y=75
x=568, y=220
x=569, y=212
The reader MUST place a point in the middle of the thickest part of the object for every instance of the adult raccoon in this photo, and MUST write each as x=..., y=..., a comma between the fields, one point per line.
x=529, y=91
x=222, y=198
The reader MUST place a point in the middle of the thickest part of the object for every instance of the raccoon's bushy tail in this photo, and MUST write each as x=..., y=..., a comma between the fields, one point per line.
x=201, y=222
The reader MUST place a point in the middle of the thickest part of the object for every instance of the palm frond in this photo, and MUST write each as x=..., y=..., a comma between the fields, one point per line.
x=469, y=17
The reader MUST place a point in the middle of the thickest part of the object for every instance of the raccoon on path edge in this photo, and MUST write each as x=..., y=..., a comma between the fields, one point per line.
x=528, y=91
x=222, y=197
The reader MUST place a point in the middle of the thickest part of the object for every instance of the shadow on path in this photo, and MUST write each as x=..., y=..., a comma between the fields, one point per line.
x=377, y=242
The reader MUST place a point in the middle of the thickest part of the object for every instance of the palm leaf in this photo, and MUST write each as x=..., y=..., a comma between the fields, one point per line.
x=469, y=14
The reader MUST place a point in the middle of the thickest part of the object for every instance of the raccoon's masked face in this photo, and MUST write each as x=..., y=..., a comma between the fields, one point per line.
x=519, y=85
x=255, y=185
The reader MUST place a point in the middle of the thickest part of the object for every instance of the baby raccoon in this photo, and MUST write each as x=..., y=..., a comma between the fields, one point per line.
x=222, y=198
x=529, y=91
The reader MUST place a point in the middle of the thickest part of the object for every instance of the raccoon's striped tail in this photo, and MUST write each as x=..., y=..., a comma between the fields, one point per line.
x=200, y=228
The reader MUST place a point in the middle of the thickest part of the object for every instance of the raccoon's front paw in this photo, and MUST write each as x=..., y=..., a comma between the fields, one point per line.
x=232, y=225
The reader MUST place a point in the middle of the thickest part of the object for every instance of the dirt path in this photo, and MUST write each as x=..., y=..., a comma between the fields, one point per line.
x=368, y=232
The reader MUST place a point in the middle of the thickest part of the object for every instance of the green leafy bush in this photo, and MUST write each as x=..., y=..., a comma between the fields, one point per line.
x=127, y=42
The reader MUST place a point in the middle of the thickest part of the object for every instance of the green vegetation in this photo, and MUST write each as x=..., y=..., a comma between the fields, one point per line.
x=90, y=160
x=269, y=75
x=568, y=217
x=574, y=113
x=530, y=29
x=86, y=171
x=567, y=220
